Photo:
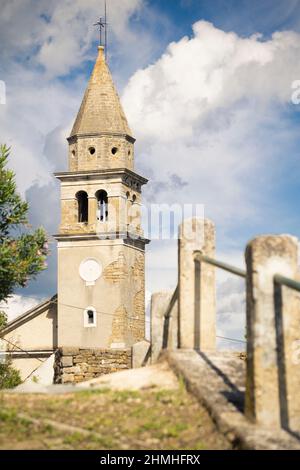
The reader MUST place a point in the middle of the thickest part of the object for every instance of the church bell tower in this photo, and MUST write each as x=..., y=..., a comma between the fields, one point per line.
x=101, y=248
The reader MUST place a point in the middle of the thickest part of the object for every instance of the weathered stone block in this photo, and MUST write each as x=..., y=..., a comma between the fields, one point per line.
x=67, y=378
x=79, y=378
x=67, y=361
x=77, y=359
x=72, y=370
x=140, y=354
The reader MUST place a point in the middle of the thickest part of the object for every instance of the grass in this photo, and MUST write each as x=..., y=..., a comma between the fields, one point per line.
x=148, y=419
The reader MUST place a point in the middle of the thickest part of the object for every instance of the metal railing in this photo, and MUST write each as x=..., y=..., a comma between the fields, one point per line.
x=278, y=278
x=219, y=264
x=286, y=281
x=173, y=300
x=167, y=317
x=198, y=256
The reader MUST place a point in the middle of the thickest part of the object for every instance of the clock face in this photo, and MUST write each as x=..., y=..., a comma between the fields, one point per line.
x=90, y=270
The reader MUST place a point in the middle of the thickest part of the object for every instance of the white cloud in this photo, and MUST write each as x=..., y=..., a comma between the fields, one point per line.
x=34, y=108
x=58, y=35
x=231, y=313
x=17, y=304
x=70, y=31
x=210, y=110
x=210, y=71
x=50, y=39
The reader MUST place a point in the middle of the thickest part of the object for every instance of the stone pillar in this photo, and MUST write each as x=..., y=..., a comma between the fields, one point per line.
x=159, y=305
x=273, y=326
x=197, y=286
x=92, y=210
x=288, y=312
x=140, y=353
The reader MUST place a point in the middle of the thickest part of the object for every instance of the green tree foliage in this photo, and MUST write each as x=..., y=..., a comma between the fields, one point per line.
x=9, y=377
x=3, y=320
x=22, y=252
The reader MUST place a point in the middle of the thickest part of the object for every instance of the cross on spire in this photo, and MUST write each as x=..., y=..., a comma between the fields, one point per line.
x=102, y=24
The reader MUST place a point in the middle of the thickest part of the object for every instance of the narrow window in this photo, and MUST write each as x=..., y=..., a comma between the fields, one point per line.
x=83, y=206
x=90, y=317
x=102, y=206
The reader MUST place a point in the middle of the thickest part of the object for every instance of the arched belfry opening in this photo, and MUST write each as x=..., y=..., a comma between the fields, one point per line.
x=83, y=206
x=102, y=205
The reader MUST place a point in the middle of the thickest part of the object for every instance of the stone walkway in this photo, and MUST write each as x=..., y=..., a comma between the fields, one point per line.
x=218, y=382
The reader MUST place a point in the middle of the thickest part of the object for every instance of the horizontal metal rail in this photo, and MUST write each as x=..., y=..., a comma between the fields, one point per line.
x=167, y=318
x=278, y=278
x=286, y=281
x=219, y=264
x=173, y=300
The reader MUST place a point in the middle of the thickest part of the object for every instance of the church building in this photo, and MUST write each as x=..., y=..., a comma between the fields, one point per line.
x=96, y=322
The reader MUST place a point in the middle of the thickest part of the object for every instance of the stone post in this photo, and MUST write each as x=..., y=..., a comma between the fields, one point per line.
x=197, y=286
x=273, y=327
x=288, y=314
x=159, y=305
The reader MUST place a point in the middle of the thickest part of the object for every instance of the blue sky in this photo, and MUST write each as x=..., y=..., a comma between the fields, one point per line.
x=241, y=16
x=218, y=126
x=170, y=20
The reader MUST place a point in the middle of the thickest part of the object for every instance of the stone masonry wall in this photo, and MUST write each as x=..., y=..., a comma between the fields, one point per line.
x=74, y=365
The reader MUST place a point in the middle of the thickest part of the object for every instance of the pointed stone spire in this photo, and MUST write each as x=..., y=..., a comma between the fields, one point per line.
x=101, y=112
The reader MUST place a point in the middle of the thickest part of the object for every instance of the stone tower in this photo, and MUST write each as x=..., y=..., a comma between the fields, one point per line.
x=101, y=284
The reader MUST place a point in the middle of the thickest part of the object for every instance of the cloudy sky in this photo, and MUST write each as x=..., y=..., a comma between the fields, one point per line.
x=207, y=87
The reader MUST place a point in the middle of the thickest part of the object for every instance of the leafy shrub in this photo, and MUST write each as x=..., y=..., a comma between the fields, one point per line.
x=9, y=377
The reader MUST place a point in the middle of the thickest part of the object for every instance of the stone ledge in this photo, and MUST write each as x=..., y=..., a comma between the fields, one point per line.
x=71, y=351
x=217, y=381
